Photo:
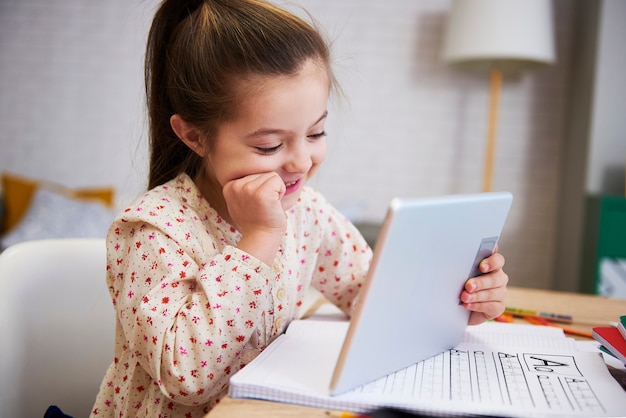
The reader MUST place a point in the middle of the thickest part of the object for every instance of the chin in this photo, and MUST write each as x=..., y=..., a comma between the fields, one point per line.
x=289, y=201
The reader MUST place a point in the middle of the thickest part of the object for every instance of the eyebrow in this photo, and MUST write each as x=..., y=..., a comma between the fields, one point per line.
x=270, y=131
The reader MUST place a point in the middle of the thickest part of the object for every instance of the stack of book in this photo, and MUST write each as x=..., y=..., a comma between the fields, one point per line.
x=613, y=339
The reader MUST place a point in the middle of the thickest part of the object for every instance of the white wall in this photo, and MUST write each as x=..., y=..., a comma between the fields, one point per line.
x=71, y=83
x=71, y=111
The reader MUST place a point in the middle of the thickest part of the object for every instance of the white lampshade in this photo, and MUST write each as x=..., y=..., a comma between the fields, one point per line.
x=512, y=35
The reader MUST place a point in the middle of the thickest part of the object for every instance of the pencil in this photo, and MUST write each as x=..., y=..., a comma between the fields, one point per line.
x=343, y=414
x=573, y=331
x=547, y=315
x=536, y=320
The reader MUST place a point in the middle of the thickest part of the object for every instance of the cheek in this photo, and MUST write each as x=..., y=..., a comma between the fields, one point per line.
x=317, y=158
x=238, y=167
x=221, y=170
x=319, y=155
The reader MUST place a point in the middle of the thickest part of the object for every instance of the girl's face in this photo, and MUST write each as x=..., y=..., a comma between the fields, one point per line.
x=279, y=128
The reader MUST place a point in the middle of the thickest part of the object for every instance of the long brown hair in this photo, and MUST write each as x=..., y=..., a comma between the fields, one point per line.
x=196, y=53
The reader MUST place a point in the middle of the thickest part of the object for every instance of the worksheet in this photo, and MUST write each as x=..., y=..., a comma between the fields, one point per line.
x=499, y=369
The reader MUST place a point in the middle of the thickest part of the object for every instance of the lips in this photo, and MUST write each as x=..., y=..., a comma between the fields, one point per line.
x=292, y=186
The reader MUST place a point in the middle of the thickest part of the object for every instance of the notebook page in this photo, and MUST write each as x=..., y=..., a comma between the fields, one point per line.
x=519, y=335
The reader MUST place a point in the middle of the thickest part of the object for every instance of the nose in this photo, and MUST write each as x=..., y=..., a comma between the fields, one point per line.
x=299, y=160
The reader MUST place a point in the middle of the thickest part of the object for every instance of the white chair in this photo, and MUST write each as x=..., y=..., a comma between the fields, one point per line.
x=56, y=325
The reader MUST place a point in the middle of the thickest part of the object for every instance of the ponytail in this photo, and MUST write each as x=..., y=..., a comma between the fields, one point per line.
x=168, y=155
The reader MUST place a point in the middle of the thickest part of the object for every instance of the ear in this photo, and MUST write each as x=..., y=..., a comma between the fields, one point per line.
x=189, y=134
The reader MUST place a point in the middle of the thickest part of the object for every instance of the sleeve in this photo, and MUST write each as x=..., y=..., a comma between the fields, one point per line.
x=343, y=260
x=185, y=322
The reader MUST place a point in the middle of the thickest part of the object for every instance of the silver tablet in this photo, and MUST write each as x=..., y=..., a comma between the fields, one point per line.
x=409, y=307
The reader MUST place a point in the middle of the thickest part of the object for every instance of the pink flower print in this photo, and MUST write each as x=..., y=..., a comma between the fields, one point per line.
x=182, y=351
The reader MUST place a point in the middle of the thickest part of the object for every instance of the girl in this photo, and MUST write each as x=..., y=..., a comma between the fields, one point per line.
x=214, y=260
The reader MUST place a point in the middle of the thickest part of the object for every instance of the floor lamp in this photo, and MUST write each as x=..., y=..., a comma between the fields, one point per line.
x=498, y=36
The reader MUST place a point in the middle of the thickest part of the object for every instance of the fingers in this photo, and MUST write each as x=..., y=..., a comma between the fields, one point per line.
x=493, y=262
x=484, y=295
x=262, y=186
x=254, y=202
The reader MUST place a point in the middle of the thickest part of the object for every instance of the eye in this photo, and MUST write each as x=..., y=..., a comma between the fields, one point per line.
x=318, y=135
x=270, y=150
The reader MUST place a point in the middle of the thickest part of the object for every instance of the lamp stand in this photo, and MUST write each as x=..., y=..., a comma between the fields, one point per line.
x=495, y=85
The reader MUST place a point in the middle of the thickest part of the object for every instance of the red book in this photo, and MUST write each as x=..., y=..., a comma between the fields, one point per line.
x=612, y=340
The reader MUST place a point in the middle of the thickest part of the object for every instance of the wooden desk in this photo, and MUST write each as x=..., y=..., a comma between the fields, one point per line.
x=587, y=311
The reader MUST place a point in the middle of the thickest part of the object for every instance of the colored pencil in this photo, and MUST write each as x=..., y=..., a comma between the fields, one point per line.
x=547, y=315
x=537, y=320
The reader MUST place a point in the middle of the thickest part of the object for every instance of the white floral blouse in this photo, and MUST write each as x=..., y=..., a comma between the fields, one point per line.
x=192, y=309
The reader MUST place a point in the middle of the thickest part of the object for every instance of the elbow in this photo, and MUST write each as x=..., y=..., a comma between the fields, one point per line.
x=196, y=387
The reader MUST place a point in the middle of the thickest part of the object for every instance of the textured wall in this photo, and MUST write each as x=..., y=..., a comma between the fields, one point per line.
x=71, y=110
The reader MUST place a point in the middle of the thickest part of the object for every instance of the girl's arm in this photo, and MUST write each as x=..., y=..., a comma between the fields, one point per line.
x=343, y=259
x=187, y=323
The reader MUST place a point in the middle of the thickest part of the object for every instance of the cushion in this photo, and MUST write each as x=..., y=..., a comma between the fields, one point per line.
x=54, y=215
x=18, y=192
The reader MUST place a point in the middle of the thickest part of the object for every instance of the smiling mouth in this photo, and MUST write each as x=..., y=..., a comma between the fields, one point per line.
x=292, y=186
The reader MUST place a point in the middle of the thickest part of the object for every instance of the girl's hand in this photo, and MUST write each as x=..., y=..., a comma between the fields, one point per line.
x=254, y=202
x=254, y=205
x=484, y=295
